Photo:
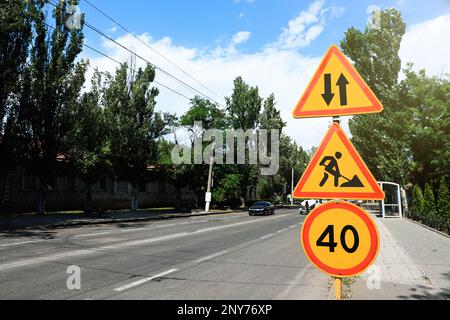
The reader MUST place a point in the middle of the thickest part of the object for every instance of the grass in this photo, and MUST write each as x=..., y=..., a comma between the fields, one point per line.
x=346, y=287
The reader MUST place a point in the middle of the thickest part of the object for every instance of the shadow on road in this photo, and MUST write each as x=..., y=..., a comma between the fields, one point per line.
x=425, y=293
x=43, y=234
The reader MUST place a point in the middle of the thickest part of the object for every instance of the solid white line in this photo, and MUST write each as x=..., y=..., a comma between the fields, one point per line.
x=139, y=282
x=211, y=256
x=91, y=234
x=268, y=236
x=19, y=243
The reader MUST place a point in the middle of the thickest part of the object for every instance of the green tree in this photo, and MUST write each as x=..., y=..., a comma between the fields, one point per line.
x=270, y=117
x=134, y=126
x=243, y=112
x=244, y=106
x=375, y=55
x=15, y=39
x=292, y=157
x=52, y=83
x=211, y=117
x=87, y=143
x=443, y=204
x=425, y=124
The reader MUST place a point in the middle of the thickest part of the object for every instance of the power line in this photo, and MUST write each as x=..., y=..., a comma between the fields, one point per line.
x=130, y=68
x=93, y=28
x=148, y=46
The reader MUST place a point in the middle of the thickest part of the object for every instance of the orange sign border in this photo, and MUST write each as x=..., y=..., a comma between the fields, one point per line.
x=374, y=243
x=377, y=194
x=376, y=106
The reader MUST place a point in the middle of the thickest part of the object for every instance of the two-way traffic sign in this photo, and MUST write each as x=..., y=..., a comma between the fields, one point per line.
x=336, y=89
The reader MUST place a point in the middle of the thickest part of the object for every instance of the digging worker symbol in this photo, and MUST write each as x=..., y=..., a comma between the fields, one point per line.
x=332, y=168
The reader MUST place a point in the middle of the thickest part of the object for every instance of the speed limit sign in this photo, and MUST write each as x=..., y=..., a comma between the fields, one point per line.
x=340, y=239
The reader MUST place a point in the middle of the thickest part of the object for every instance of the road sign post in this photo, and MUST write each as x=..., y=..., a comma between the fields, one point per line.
x=339, y=238
x=338, y=288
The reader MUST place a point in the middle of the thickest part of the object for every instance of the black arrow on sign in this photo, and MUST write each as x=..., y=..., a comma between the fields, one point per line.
x=328, y=95
x=342, y=83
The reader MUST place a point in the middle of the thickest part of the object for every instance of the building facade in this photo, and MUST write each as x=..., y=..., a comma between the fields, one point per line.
x=19, y=193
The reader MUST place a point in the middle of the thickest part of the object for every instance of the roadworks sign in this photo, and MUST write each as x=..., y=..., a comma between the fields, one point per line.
x=337, y=172
x=336, y=89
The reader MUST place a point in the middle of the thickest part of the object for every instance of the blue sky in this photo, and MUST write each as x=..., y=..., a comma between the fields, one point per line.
x=275, y=45
x=207, y=23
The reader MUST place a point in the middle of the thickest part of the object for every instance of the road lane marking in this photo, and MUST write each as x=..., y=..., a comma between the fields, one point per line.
x=139, y=282
x=282, y=230
x=92, y=234
x=268, y=236
x=292, y=227
x=19, y=243
x=99, y=250
x=211, y=256
x=133, y=230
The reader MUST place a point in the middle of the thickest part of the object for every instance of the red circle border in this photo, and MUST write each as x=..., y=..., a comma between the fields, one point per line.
x=374, y=243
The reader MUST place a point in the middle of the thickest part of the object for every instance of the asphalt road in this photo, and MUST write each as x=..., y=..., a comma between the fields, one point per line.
x=230, y=256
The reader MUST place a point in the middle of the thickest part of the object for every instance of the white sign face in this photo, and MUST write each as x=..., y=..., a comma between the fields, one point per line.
x=208, y=197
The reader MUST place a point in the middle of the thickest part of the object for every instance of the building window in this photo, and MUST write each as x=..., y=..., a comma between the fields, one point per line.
x=70, y=183
x=103, y=185
x=29, y=183
x=121, y=186
x=162, y=187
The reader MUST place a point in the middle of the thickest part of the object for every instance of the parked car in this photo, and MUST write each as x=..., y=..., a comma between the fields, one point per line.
x=307, y=206
x=261, y=208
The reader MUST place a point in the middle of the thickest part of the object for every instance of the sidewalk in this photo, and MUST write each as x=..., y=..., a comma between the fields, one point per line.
x=414, y=263
x=17, y=222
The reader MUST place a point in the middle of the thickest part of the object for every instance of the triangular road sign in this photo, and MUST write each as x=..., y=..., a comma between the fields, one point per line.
x=337, y=172
x=336, y=89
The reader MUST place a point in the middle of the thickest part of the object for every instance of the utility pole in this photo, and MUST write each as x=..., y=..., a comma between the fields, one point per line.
x=292, y=187
x=208, y=196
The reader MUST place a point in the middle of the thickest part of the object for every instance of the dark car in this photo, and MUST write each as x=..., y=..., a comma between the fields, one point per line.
x=261, y=208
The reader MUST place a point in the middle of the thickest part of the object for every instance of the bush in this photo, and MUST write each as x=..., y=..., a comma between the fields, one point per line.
x=443, y=204
x=417, y=201
x=425, y=210
x=429, y=202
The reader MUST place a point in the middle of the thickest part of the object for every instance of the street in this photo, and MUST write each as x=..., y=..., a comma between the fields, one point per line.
x=226, y=256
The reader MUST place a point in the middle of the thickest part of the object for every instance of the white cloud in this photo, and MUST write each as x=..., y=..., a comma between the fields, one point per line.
x=426, y=45
x=240, y=37
x=284, y=72
x=372, y=8
x=306, y=26
x=241, y=15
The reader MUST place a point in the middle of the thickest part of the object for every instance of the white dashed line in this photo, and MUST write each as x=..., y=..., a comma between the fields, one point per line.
x=133, y=230
x=139, y=282
x=92, y=234
x=19, y=243
x=282, y=230
x=292, y=227
x=211, y=256
x=267, y=236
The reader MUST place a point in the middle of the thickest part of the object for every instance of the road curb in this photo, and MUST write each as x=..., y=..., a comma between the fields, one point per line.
x=112, y=221
x=427, y=227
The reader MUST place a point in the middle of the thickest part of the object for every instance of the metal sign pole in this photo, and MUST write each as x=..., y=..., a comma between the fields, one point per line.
x=338, y=288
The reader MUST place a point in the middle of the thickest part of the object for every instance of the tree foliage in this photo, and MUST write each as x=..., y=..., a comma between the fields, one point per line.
x=409, y=141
